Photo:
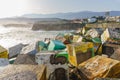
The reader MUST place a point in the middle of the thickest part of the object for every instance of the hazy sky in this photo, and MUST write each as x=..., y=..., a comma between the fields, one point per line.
x=10, y=8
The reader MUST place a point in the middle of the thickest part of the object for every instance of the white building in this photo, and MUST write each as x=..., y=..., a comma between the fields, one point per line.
x=91, y=20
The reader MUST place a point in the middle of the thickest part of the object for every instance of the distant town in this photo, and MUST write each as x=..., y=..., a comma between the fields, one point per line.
x=99, y=19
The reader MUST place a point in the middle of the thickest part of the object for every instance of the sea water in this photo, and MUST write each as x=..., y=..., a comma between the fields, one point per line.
x=14, y=35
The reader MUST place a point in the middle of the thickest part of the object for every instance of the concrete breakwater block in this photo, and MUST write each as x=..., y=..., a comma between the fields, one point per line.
x=56, y=62
x=56, y=45
x=116, y=54
x=80, y=52
x=92, y=33
x=13, y=47
x=25, y=59
x=106, y=79
x=30, y=49
x=114, y=33
x=15, y=50
x=3, y=62
x=3, y=52
x=23, y=72
x=99, y=66
x=109, y=49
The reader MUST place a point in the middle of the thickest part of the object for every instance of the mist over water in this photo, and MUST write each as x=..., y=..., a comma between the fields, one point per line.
x=11, y=35
x=4, y=30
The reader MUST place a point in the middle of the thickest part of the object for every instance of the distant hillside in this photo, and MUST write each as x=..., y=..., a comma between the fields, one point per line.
x=23, y=22
x=24, y=19
x=72, y=15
